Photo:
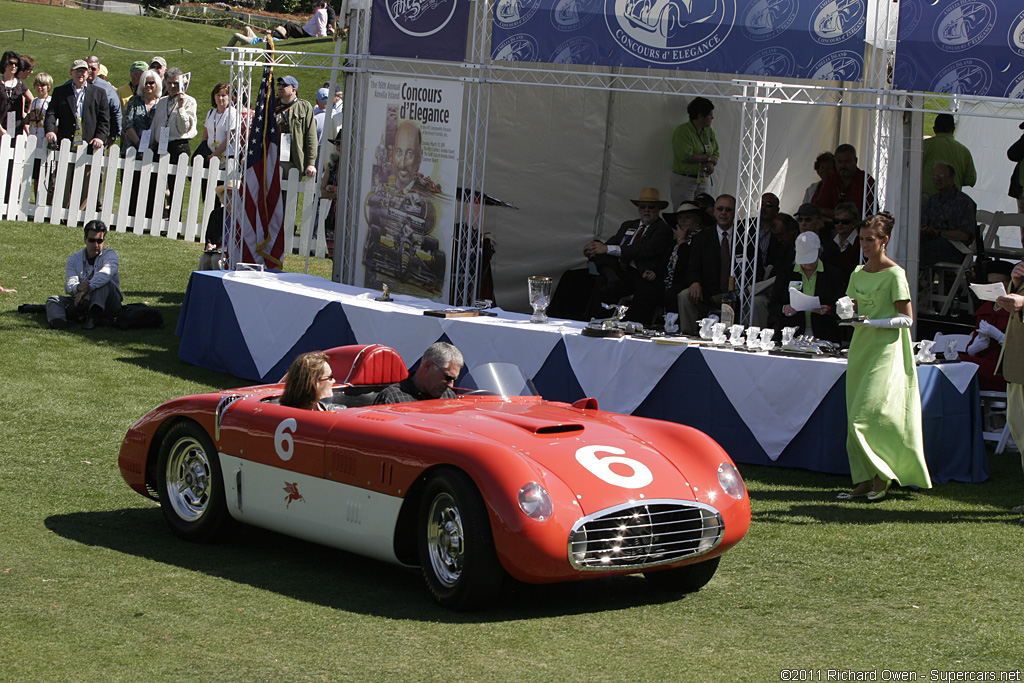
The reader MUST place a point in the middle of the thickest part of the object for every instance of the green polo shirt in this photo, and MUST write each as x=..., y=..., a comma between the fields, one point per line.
x=686, y=141
x=944, y=147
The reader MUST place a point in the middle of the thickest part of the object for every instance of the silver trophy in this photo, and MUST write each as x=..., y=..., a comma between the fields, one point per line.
x=540, y=297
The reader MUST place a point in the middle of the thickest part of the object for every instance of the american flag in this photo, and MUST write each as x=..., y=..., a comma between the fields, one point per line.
x=260, y=224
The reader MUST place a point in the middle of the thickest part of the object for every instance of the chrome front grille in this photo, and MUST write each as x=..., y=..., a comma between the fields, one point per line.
x=644, y=534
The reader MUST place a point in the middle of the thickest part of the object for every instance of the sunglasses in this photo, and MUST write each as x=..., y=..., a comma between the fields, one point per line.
x=95, y=240
x=328, y=377
x=647, y=205
x=150, y=82
x=448, y=378
x=724, y=208
x=845, y=221
x=805, y=219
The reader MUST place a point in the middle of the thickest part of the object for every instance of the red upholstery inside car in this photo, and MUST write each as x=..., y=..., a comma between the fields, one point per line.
x=370, y=364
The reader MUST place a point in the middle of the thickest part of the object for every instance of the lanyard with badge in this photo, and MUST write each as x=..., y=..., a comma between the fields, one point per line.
x=79, y=103
x=284, y=148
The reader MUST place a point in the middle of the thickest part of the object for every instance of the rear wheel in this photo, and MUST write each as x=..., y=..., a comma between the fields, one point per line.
x=456, y=548
x=688, y=579
x=191, y=486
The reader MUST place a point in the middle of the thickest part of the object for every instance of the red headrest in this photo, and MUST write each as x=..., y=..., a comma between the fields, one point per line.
x=366, y=364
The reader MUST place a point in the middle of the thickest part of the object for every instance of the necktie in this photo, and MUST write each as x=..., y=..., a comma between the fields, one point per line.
x=723, y=275
x=638, y=234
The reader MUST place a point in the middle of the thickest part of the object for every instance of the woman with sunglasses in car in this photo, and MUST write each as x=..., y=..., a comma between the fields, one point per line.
x=309, y=381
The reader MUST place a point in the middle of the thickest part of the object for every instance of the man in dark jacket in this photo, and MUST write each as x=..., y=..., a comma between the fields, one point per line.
x=633, y=261
x=78, y=112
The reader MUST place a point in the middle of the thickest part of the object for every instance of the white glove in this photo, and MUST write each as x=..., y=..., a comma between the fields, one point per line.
x=978, y=344
x=844, y=308
x=990, y=330
x=899, y=321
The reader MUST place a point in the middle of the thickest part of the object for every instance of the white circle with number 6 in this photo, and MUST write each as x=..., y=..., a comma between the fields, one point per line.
x=283, y=442
x=601, y=467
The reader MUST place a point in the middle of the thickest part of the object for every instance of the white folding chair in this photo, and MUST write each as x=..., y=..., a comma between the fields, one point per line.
x=993, y=415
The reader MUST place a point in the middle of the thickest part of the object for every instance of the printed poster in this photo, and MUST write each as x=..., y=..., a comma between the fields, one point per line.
x=410, y=172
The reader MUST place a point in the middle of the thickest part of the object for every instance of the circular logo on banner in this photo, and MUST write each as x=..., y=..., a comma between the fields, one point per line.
x=766, y=19
x=420, y=19
x=1015, y=38
x=910, y=16
x=579, y=50
x=509, y=14
x=569, y=15
x=518, y=48
x=964, y=77
x=670, y=31
x=1016, y=89
x=843, y=65
x=964, y=24
x=834, y=21
x=771, y=62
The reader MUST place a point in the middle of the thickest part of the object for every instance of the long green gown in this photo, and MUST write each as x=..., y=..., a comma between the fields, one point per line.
x=883, y=403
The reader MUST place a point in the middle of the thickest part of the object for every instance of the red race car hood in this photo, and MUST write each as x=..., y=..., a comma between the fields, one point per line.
x=595, y=455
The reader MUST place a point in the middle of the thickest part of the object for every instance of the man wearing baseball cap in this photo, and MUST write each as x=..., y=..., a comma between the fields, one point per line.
x=295, y=119
x=78, y=112
x=126, y=91
x=320, y=110
x=159, y=65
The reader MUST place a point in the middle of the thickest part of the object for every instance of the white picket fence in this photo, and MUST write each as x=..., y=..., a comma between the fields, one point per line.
x=111, y=183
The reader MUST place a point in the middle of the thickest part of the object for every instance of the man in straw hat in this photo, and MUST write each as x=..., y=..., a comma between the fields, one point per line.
x=633, y=262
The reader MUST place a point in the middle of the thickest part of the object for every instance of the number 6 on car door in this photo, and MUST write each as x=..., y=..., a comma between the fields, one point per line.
x=601, y=467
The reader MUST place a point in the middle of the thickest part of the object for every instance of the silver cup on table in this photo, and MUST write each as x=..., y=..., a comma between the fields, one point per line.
x=540, y=297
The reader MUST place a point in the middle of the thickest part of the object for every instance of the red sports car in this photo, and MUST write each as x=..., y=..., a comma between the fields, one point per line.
x=495, y=482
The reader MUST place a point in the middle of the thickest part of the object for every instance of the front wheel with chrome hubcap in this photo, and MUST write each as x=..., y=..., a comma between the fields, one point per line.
x=190, y=485
x=456, y=548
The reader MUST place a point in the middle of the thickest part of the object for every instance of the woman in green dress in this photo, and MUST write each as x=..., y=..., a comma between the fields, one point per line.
x=884, y=441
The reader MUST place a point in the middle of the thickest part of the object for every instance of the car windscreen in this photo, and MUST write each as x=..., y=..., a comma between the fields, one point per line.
x=501, y=379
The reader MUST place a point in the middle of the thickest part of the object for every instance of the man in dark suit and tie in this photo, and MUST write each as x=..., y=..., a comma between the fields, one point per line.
x=633, y=261
x=78, y=112
x=710, y=267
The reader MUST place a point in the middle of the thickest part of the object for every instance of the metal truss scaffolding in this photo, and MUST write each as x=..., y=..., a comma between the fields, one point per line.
x=890, y=157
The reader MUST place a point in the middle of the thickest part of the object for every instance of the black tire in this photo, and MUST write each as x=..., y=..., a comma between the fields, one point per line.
x=191, y=486
x=688, y=579
x=456, y=548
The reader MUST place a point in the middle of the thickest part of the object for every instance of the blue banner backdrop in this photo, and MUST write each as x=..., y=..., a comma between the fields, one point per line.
x=420, y=29
x=964, y=47
x=817, y=39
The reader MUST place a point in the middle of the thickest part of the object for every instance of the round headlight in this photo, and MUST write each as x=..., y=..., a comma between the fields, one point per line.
x=730, y=480
x=535, y=502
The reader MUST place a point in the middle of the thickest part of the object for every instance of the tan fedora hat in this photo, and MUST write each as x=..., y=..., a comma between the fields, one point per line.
x=650, y=194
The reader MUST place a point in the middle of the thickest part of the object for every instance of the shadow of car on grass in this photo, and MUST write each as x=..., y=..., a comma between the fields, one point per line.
x=319, y=575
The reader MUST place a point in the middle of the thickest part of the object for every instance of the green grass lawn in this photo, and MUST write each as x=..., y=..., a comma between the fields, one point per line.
x=93, y=586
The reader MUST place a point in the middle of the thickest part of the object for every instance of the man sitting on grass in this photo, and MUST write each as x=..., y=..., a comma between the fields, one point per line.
x=91, y=284
x=316, y=27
